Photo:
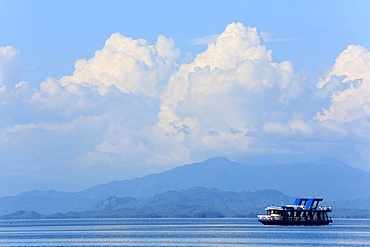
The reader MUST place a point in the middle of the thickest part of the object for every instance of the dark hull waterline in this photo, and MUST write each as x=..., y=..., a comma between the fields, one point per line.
x=295, y=223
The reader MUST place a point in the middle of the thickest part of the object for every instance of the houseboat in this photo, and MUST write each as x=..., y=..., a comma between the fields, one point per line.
x=304, y=211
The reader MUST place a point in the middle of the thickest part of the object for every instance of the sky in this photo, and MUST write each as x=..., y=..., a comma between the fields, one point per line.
x=96, y=91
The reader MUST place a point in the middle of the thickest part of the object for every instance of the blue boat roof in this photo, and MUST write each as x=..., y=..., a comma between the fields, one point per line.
x=308, y=202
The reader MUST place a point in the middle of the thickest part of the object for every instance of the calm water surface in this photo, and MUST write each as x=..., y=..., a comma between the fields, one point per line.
x=179, y=232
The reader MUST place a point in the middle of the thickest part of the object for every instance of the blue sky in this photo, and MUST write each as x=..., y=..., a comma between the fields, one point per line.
x=95, y=91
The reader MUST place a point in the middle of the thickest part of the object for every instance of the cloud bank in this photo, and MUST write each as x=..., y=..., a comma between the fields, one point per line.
x=132, y=109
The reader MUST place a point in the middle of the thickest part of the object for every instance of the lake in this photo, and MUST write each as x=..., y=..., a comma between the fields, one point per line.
x=179, y=232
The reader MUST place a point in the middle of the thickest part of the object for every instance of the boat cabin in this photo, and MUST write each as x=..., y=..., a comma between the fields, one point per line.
x=304, y=211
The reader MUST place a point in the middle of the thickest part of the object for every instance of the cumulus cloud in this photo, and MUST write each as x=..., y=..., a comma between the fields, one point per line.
x=211, y=106
x=131, y=106
x=229, y=90
x=148, y=110
x=348, y=86
x=98, y=116
x=64, y=100
x=345, y=104
x=132, y=66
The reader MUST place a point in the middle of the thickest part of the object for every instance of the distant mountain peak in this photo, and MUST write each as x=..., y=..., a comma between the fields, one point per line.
x=217, y=159
x=212, y=161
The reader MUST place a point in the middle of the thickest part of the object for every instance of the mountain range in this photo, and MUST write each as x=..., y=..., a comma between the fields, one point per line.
x=335, y=181
x=195, y=203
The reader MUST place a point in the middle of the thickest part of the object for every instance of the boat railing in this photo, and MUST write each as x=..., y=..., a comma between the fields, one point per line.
x=324, y=208
x=273, y=207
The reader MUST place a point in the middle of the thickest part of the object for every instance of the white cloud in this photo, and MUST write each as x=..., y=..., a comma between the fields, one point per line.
x=9, y=72
x=53, y=96
x=212, y=104
x=345, y=104
x=208, y=107
x=8, y=65
x=91, y=118
x=132, y=66
x=132, y=107
x=232, y=88
x=348, y=85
